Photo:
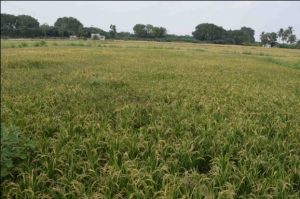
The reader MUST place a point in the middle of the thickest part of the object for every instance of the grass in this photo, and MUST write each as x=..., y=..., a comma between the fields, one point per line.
x=119, y=119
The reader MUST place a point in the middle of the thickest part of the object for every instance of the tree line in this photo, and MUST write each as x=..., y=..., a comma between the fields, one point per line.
x=212, y=32
x=27, y=26
x=286, y=36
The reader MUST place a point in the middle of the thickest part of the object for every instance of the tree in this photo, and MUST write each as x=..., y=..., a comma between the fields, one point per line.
x=209, y=32
x=44, y=29
x=68, y=26
x=8, y=25
x=238, y=36
x=150, y=30
x=273, y=38
x=249, y=33
x=280, y=34
x=113, y=31
x=263, y=38
x=124, y=35
x=162, y=32
x=212, y=32
x=292, y=39
x=155, y=32
x=298, y=44
x=290, y=29
x=289, y=36
x=140, y=30
x=27, y=26
x=52, y=32
x=48, y=31
x=285, y=36
x=268, y=38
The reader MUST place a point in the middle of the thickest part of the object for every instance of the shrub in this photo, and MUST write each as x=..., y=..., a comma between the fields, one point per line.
x=298, y=45
x=291, y=46
x=224, y=41
x=14, y=149
x=247, y=53
x=40, y=43
x=43, y=43
x=23, y=44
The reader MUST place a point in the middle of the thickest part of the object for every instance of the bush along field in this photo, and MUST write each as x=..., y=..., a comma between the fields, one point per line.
x=115, y=119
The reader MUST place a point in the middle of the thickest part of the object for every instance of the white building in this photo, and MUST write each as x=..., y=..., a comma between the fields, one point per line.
x=73, y=37
x=267, y=45
x=97, y=36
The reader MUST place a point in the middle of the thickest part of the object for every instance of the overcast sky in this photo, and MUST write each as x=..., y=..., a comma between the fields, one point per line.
x=178, y=17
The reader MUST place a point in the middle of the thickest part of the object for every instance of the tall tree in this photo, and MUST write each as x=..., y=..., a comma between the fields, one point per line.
x=292, y=39
x=273, y=38
x=45, y=29
x=209, y=32
x=27, y=26
x=263, y=38
x=68, y=26
x=8, y=25
x=249, y=32
x=280, y=33
x=113, y=31
x=124, y=35
x=268, y=38
x=289, y=35
x=298, y=44
x=238, y=36
x=140, y=30
x=162, y=32
x=150, y=30
x=290, y=29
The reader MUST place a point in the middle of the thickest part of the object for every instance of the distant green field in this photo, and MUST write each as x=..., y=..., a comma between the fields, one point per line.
x=120, y=119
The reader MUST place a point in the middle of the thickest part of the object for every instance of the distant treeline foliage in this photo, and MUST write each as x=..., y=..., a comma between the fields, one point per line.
x=149, y=31
x=217, y=34
x=286, y=36
x=19, y=26
x=28, y=27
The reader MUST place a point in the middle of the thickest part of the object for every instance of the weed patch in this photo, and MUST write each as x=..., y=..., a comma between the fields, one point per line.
x=23, y=45
x=40, y=44
x=32, y=64
x=15, y=148
x=247, y=52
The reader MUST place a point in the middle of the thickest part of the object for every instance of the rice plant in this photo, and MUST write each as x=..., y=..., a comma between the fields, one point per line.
x=149, y=120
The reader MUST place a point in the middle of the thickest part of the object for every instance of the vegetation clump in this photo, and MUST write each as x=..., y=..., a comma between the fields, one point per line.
x=15, y=148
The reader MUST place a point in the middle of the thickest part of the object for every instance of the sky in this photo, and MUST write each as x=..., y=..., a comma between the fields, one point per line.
x=178, y=17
